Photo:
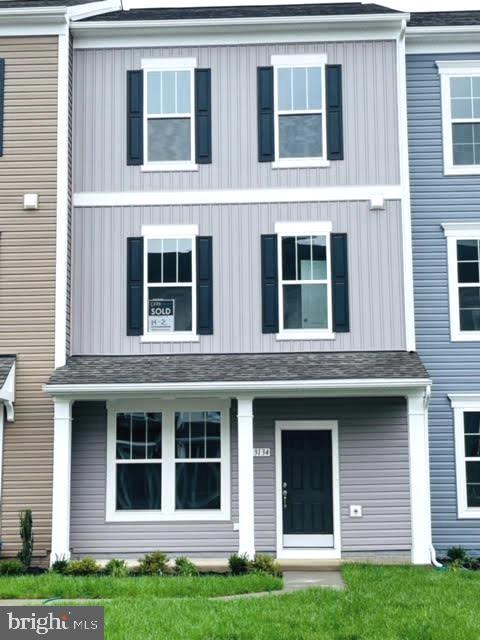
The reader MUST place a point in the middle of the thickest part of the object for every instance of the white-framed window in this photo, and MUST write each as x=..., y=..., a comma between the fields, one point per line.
x=467, y=454
x=170, y=291
x=463, y=247
x=305, y=288
x=300, y=111
x=169, y=114
x=168, y=460
x=460, y=84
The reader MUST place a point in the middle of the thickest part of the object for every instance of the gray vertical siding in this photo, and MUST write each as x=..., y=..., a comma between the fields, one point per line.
x=374, y=469
x=373, y=441
x=453, y=366
x=370, y=88
x=375, y=264
x=91, y=535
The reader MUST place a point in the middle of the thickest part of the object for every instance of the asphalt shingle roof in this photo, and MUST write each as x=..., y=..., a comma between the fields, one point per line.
x=263, y=367
x=6, y=363
x=268, y=11
x=444, y=19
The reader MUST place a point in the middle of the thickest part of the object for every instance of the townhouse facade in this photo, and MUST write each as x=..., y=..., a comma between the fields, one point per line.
x=443, y=65
x=241, y=371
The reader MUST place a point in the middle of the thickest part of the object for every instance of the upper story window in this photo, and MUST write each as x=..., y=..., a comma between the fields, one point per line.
x=300, y=111
x=169, y=114
x=170, y=283
x=460, y=81
x=467, y=454
x=464, y=280
x=305, y=309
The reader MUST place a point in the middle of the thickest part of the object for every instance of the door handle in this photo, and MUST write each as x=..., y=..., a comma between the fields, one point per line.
x=284, y=493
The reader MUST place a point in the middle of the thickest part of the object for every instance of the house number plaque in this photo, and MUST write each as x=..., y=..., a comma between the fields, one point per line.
x=261, y=453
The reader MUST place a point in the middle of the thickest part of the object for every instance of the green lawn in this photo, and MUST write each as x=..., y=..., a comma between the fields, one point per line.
x=380, y=603
x=51, y=585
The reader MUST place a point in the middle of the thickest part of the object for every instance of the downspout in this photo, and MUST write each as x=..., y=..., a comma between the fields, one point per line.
x=433, y=555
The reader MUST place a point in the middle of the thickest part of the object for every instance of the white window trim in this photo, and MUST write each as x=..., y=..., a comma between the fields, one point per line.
x=462, y=404
x=316, y=553
x=168, y=511
x=155, y=232
x=449, y=69
x=169, y=64
x=453, y=232
x=289, y=61
x=313, y=229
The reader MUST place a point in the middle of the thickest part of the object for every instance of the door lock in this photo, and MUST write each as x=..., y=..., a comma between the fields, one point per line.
x=284, y=493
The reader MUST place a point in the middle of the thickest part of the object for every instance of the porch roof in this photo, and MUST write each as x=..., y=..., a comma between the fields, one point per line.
x=239, y=368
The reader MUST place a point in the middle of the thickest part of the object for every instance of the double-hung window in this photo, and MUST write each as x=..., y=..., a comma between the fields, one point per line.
x=300, y=110
x=467, y=451
x=464, y=279
x=169, y=122
x=170, y=282
x=305, y=280
x=168, y=460
x=460, y=81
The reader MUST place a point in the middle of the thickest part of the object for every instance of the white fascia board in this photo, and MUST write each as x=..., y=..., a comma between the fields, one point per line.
x=109, y=34
x=82, y=11
x=462, y=39
x=347, y=386
x=236, y=196
x=32, y=21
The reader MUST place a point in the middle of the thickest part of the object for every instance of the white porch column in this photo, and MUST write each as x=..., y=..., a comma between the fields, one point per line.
x=419, y=478
x=245, y=477
x=62, y=456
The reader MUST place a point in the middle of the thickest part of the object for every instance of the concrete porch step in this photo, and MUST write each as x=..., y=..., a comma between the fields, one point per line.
x=310, y=565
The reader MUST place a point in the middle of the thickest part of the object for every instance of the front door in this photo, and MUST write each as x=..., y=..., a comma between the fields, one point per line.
x=307, y=494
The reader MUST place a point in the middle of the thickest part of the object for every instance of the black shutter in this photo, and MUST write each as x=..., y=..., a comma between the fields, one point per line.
x=266, y=144
x=134, y=117
x=134, y=286
x=204, y=285
x=2, y=99
x=340, y=307
x=203, y=116
x=334, y=112
x=269, y=284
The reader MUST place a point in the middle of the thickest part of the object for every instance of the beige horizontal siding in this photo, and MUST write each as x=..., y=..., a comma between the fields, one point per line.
x=27, y=280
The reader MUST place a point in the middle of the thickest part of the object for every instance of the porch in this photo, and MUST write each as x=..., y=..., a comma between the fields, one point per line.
x=304, y=467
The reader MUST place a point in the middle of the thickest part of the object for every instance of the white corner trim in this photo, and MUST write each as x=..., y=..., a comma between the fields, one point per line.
x=462, y=230
x=164, y=64
x=317, y=553
x=409, y=305
x=154, y=231
x=460, y=404
x=168, y=512
x=237, y=196
x=61, y=271
x=301, y=228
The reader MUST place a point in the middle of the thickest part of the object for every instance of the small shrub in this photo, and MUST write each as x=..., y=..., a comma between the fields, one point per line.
x=153, y=564
x=185, y=567
x=116, y=568
x=11, y=568
x=26, y=534
x=84, y=567
x=266, y=564
x=457, y=554
x=239, y=565
x=134, y=572
x=60, y=565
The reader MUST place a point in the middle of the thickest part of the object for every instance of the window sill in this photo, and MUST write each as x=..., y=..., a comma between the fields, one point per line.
x=462, y=170
x=469, y=514
x=169, y=166
x=305, y=335
x=170, y=337
x=176, y=516
x=465, y=336
x=301, y=163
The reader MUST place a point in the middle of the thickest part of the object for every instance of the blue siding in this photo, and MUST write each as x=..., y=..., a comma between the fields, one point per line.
x=454, y=366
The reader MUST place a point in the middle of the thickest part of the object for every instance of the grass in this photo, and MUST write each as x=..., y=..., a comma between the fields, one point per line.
x=51, y=585
x=380, y=603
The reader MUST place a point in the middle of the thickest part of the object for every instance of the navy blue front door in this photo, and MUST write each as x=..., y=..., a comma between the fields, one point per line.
x=307, y=498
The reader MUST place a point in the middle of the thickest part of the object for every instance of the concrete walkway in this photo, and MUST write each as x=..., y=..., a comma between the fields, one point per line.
x=296, y=581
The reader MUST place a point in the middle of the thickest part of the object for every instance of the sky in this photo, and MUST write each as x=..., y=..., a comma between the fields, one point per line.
x=403, y=5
